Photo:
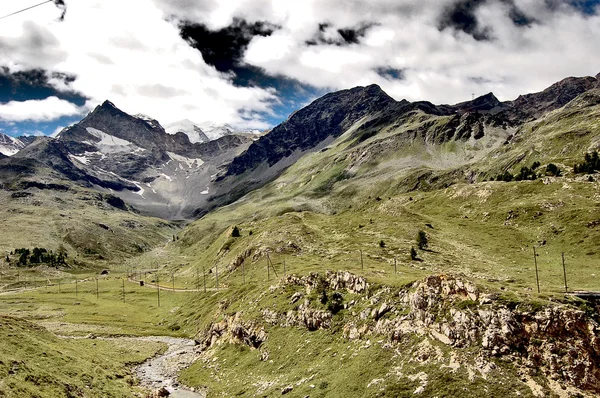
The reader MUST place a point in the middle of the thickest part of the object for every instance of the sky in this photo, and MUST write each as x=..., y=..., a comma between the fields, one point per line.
x=251, y=63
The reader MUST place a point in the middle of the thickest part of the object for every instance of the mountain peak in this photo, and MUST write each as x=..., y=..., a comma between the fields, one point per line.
x=482, y=103
x=108, y=104
x=189, y=128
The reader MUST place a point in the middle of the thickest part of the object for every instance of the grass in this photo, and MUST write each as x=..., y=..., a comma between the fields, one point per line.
x=93, y=232
x=319, y=215
x=107, y=315
x=36, y=363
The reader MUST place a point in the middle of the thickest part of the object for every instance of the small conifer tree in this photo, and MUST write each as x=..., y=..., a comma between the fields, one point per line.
x=422, y=240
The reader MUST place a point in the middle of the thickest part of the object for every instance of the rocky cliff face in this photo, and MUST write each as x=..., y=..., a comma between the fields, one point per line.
x=558, y=340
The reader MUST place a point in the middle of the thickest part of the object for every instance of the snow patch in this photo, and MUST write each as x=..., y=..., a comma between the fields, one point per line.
x=152, y=122
x=86, y=157
x=189, y=128
x=191, y=163
x=205, y=192
x=111, y=144
x=10, y=146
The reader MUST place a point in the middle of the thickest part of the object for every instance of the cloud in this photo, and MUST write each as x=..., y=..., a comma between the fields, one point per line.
x=132, y=54
x=44, y=110
x=238, y=61
x=445, y=49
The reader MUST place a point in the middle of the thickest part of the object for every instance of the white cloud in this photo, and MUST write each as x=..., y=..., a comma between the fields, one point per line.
x=440, y=66
x=131, y=52
x=44, y=110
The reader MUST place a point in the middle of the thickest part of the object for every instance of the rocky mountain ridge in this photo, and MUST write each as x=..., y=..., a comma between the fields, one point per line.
x=168, y=175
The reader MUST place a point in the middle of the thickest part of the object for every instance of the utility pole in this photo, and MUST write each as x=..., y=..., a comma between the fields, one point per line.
x=564, y=271
x=537, y=278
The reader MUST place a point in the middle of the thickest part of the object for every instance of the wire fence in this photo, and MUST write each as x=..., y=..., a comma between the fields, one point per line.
x=270, y=266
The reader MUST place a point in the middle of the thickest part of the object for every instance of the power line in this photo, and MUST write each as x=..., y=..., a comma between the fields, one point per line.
x=28, y=8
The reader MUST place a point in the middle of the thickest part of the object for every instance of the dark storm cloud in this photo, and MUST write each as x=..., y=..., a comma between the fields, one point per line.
x=328, y=35
x=461, y=15
x=390, y=73
x=34, y=84
x=225, y=47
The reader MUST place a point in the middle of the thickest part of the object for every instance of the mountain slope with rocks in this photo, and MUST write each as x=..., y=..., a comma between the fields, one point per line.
x=9, y=145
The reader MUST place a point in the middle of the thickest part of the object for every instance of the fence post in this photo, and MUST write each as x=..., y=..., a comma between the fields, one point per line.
x=395, y=266
x=537, y=278
x=564, y=271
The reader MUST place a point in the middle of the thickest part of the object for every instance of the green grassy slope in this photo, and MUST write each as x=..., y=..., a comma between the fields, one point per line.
x=36, y=363
x=331, y=205
x=83, y=221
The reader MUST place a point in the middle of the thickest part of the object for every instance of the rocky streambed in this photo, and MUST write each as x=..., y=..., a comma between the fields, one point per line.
x=160, y=372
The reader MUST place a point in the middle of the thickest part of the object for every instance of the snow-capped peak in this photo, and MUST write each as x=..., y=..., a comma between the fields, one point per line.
x=194, y=133
x=151, y=121
x=214, y=131
x=9, y=145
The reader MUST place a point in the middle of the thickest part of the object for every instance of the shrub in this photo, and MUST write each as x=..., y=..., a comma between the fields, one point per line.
x=591, y=163
x=422, y=240
x=553, y=170
x=381, y=244
x=336, y=304
x=413, y=253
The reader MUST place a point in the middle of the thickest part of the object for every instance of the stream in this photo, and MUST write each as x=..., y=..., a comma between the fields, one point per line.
x=162, y=370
